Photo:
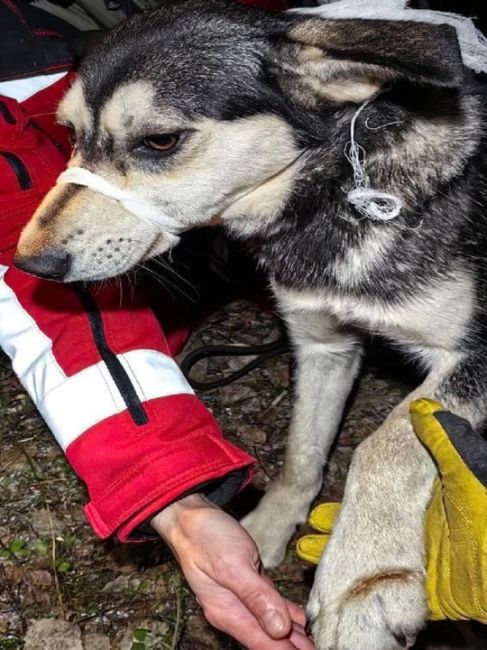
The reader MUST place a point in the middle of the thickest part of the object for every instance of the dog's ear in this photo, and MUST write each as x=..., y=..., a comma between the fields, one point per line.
x=350, y=60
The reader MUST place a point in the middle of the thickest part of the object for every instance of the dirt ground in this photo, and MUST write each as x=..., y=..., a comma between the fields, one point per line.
x=61, y=588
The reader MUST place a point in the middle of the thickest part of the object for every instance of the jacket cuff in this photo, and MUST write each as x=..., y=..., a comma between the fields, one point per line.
x=134, y=472
x=219, y=492
x=219, y=489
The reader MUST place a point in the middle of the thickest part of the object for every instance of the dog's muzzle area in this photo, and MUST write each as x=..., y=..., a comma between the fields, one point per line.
x=86, y=236
x=91, y=257
x=82, y=259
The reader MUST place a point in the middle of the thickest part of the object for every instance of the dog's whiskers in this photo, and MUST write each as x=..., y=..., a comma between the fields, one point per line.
x=160, y=262
x=43, y=114
x=119, y=283
x=164, y=282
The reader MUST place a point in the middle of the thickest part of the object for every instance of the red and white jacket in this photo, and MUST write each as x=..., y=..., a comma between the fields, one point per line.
x=101, y=372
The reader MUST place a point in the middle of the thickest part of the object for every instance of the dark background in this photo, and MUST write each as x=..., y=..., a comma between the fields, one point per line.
x=476, y=9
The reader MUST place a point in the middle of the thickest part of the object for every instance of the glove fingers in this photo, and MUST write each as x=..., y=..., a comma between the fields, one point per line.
x=310, y=548
x=322, y=518
x=431, y=433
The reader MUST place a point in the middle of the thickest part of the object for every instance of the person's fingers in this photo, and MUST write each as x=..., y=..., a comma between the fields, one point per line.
x=323, y=517
x=431, y=433
x=239, y=623
x=297, y=613
x=425, y=425
x=310, y=547
x=260, y=597
x=300, y=640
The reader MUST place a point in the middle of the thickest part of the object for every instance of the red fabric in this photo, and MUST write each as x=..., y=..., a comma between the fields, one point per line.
x=41, y=109
x=133, y=472
x=130, y=471
x=40, y=156
x=129, y=323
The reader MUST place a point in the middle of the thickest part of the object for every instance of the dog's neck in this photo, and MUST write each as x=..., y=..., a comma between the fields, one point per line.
x=397, y=141
x=408, y=153
x=253, y=211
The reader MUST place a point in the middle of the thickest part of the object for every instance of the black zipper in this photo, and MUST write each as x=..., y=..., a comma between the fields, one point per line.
x=6, y=114
x=19, y=169
x=115, y=368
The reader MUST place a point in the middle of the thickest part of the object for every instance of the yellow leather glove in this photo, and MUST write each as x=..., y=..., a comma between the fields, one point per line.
x=456, y=519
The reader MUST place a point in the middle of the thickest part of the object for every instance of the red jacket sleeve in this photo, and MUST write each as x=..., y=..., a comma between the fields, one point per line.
x=102, y=376
x=98, y=367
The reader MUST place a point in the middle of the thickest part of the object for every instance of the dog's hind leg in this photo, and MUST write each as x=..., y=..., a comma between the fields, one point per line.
x=369, y=588
x=328, y=360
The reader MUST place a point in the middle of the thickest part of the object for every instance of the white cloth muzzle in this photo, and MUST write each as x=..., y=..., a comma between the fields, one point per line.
x=132, y=202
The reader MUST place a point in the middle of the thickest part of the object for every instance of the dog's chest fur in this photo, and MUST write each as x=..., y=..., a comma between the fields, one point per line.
x=407, y=284
x=436, y=316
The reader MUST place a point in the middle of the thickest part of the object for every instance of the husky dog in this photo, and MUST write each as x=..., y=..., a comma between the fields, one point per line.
x=216, y=113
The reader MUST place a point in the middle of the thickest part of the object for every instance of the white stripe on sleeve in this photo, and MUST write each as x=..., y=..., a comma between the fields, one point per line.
x=22, y=89
x=71, y=405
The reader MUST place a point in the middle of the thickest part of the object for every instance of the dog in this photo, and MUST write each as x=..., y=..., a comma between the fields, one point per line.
x=218, y=113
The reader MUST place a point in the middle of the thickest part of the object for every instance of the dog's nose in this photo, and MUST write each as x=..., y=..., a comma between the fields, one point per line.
x=52, y=264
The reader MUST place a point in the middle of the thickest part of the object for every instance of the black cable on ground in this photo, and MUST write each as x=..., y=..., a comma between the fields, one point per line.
x=263, y=352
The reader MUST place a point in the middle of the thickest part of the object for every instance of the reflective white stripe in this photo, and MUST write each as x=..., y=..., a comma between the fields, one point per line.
x=22, y=89
x=71, y=405
x=91, y=395
x=29, y=348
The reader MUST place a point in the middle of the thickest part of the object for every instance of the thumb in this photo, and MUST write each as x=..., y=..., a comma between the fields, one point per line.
x=432, y=434
x=457, y=450
x=259, y=595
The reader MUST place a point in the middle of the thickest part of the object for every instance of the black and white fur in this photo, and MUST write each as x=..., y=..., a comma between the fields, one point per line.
x=263, y=105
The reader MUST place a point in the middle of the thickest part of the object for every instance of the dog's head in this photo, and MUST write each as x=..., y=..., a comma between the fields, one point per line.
x=204, y=110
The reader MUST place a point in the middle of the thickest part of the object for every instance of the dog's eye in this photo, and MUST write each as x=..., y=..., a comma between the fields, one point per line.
x=162, y=142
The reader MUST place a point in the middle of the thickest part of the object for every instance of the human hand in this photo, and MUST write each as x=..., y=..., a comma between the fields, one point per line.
x=221, y=564
x=456, y=519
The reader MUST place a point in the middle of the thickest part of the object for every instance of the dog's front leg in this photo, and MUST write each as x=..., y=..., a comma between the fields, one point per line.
x=327, y=363
x=369, y=588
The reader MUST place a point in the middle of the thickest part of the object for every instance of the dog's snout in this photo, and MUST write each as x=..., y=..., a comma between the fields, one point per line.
x=52, y=264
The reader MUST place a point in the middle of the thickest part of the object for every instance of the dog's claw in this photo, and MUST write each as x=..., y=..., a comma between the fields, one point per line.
x=308, y=628
x=401, y=639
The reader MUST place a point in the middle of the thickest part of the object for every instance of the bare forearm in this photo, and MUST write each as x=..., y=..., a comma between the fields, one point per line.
x=169, y=522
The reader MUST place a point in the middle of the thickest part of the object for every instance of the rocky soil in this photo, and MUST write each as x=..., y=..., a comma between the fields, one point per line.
x=61, y=588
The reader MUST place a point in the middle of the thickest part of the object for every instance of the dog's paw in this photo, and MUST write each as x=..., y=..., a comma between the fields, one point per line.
x=383, y=612
x=270, y=535
x=274, y=521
